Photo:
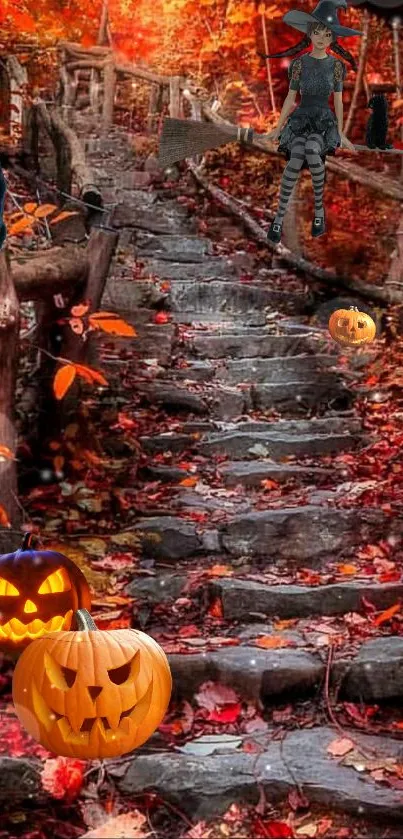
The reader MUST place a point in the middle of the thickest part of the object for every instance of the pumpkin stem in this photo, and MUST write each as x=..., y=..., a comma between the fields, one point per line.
x=84, y=621
x=29, y=542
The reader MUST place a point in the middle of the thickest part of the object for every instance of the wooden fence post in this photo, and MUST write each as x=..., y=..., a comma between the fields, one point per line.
x=174, y=97
x=109, y=93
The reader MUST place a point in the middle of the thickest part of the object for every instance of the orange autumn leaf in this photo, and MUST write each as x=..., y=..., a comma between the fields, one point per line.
x=189, y=482
x=6, y=453
x=267, y=483
x=20, y=225
x=45, y=210
x=14, y=216
x=109, y=322
x=79, y=310
x=272, y=642
x=63, y=380
x=347, y=569
x=387, y=614
x=215, y=609
x=62, y=216
x=30, y=207
x=90, y=375
x=219, y=571
x=4, y=520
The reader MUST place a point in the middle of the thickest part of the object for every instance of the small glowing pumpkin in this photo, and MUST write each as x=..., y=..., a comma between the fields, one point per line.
x=39, y=593
x=89, y=693
x=351, y=327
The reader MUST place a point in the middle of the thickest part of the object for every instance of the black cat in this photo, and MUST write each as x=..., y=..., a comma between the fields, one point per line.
x=378, y=123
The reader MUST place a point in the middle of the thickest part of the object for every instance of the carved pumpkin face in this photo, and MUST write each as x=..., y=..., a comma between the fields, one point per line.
x=92, y=694
x=351, y=327
x=39, y=592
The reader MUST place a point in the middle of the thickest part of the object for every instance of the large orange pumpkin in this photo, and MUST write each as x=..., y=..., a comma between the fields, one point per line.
x=39, y=593
x=89, y=693
x=351, y=327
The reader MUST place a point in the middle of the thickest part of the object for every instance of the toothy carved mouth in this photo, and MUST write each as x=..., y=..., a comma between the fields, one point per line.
x=91, y=725
x=16, y=630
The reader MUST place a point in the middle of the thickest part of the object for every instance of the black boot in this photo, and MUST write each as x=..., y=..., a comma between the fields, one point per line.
x=274, y=233
x=318, y=226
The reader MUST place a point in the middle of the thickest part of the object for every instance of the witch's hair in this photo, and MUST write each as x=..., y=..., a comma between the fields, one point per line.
x=306, y=42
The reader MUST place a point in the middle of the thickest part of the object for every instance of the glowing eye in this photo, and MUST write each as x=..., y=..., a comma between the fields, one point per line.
x=342, y=322
x=57, y=582
x=7, y=589
x=119, y=675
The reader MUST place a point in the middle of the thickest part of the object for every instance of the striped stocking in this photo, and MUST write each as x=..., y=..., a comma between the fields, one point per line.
x=290, y=176
x=313, y=149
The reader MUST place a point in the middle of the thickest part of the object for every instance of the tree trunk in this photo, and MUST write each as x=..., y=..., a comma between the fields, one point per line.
x=18, y=80
x=9, y=333
x=360, y=72
x=103, y=26
x=395, y=276
x=268, y=68
x=99, y=253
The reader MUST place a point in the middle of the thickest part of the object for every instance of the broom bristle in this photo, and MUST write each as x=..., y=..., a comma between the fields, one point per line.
x=182, y=138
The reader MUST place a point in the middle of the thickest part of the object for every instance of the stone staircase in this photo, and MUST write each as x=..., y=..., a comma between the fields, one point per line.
x=242, y=391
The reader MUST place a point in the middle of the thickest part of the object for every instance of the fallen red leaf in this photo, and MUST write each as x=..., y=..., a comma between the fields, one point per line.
x=271, y=830
x=226, y=714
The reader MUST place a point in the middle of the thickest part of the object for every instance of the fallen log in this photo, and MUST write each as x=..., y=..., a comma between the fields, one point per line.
x=64, y=138
x=49, y=273
x=9, y=334
x=297, y=263
x=344, y=168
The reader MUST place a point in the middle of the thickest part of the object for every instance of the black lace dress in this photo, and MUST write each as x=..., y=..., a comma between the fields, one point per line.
x=316, y=79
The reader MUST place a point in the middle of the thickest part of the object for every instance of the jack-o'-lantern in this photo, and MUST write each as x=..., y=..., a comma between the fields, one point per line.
x=39, y=592
x=90, y=693
x=351, y=327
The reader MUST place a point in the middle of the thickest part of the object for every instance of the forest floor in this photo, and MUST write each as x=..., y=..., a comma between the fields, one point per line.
x=241, y=504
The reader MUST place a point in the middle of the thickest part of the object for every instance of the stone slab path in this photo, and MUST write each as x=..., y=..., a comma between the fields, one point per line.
x=238, y=390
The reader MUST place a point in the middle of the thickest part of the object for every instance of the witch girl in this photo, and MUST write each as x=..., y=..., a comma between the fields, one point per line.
x=313, y=130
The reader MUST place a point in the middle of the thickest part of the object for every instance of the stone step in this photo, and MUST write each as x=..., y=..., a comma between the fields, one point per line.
x=327, y=392
x=261, y=370
x=206, y=786
x=221, y=402
x=227, y=402
x=228, y=297
x=157, y=220
x=186, y=249
x=260, y=439
x=245, y=599
x=251, y=473
x=251, y=343
x=305, y=534
x=275, y=446
x=268, y=675
x=221, y=321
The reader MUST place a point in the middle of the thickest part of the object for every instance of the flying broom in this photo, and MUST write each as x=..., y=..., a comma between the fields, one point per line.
x=181, y=138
